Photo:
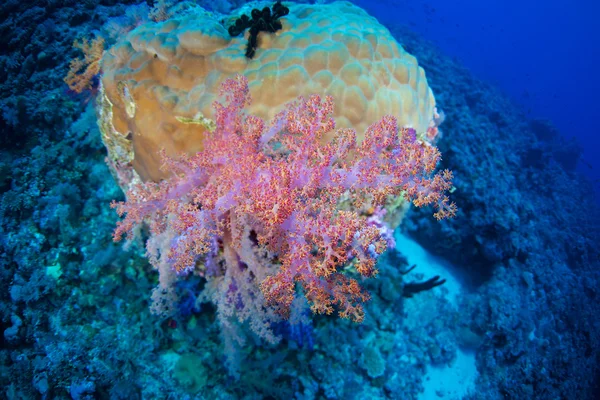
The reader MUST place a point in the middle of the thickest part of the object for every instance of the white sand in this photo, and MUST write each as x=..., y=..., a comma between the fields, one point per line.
x=448, y=382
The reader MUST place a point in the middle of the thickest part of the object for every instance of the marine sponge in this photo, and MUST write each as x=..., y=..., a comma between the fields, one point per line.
x=161, y=79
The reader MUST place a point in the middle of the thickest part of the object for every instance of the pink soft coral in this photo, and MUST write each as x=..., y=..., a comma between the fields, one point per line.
x=277, y=188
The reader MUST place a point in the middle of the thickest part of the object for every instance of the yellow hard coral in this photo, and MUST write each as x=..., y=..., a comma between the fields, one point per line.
x=173, y=71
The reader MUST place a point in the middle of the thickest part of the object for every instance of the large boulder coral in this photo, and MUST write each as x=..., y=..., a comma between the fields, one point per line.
x=160, y=80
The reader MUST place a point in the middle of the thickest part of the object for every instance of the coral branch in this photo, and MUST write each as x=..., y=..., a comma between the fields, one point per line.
x=82, y=72
x=274, y=190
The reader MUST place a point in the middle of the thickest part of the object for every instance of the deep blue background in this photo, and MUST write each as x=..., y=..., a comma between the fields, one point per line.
x=543, y=54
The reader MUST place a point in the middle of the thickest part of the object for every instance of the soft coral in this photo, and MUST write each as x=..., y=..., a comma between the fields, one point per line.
x=83, y=71
x=281, y=184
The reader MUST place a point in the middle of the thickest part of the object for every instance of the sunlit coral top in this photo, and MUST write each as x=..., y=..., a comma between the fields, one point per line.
x=161, y=79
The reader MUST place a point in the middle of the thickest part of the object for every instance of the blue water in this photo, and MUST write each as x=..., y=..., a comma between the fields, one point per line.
x=544, y=56
x=499, y=302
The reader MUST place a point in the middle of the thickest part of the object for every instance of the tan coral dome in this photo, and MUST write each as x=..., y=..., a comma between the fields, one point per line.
x=162, y=78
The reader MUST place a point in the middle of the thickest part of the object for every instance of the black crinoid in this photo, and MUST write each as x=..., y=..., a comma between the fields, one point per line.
x=262, y=20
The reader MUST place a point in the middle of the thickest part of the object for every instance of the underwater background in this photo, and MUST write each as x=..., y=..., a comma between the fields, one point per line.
x=542, y=56
x=516, y=318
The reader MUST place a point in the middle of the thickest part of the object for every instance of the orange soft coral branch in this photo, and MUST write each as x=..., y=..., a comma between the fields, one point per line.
x=82, y=72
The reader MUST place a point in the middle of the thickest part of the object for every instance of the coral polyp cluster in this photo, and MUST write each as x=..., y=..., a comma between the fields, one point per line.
x=260, y=205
